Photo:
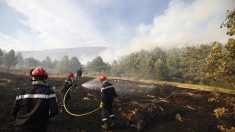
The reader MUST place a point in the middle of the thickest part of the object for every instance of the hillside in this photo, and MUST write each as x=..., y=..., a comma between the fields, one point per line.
x=82, y=53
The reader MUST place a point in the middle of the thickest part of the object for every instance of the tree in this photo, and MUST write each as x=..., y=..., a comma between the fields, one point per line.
x=221, y=60
x=54, y=63
x=62, y=66
x=47, y=63
x=1, y=57
x=96, y=66
x=146, y=65
x=10, y=59
x=107, y=68
x=228, y=66
x=129, y=65
x=31, y=62
x=74, y=63
x=160, y=70
x=173, y=65
x=230, y=22
x=115, y=69
x=142, y=64
x=20, y=59
x=158, y=53
x=192, y=61
x=214, y=60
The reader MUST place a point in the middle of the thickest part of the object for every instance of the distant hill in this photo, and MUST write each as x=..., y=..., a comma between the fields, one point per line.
x=84, y=54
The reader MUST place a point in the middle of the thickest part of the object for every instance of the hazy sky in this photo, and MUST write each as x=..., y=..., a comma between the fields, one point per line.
x=122, y=25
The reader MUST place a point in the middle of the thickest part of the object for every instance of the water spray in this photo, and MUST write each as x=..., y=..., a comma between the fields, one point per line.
x=92, y=84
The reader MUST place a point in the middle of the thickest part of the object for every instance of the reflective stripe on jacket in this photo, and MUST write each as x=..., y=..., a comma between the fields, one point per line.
x=33, y=107
x=108, y=92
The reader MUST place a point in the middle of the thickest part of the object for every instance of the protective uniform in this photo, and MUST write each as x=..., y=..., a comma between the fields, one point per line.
x=34, y=106
x=66, y=85
x=107, y=96
x=79, y=74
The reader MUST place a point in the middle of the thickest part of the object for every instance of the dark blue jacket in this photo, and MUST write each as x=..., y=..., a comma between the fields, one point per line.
x=67, y=84
x=108, y=92
x=33, y=107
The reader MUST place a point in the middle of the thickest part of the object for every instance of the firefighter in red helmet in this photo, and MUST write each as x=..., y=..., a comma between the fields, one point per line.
x=34, y=106
x=108, y=94
x=66, y=85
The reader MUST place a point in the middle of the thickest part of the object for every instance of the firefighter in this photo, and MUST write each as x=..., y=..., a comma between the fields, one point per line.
x=79, y=74
x=107, y=96
x=34, y=106
x=66, y=85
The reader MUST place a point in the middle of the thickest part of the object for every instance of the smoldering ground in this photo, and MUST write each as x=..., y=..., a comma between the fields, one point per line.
x=136, y=108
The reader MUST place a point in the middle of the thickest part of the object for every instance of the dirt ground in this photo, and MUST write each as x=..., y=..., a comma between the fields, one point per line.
x=139, y=107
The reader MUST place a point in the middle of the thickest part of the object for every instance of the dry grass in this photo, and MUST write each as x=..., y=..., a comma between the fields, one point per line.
x=184, y=85
x=176, y=84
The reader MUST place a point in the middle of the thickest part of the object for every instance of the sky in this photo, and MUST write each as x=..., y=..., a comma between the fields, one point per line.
x=123, y=26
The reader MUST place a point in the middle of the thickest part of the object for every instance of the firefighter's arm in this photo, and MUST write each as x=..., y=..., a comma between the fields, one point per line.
x=53, y=106
x=15, y=108
x=102, y=95
x=102, y=98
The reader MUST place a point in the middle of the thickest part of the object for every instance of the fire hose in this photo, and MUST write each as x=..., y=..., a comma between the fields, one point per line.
x=70, y=113
x=84, y=114
x=74, y=114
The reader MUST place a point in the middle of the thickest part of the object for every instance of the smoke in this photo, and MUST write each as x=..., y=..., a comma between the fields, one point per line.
x=182, y=24
x=73, y=23
x=62, y=25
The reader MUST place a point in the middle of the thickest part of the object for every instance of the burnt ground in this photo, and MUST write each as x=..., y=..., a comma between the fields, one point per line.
x=139, y=107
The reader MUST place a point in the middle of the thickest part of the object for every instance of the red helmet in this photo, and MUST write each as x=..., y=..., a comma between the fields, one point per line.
x=38, y=72
x=70, y=74
x=103, y=78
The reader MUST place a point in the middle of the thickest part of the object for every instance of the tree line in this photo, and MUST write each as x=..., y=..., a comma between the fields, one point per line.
x=12, y=60
x=211, y=64
x=193, y=64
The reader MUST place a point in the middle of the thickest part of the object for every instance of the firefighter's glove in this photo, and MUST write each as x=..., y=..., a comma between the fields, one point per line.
x=101, y=104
